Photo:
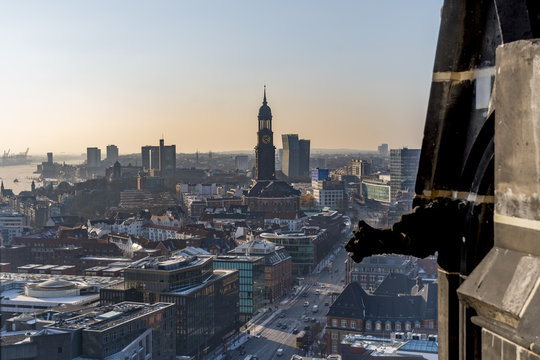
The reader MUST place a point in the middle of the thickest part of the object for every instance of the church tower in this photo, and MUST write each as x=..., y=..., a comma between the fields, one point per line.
x=265, y=151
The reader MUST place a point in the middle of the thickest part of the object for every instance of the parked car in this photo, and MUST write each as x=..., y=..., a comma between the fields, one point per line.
x=306, y=303
x=279, y=352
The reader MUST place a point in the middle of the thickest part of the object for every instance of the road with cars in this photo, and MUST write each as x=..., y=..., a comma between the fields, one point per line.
x=293, y=314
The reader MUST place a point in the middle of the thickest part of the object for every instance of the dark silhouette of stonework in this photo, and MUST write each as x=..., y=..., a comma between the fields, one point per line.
x=456, y=190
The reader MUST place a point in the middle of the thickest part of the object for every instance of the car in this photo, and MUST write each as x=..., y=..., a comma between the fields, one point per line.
x=306, y=319
x=306, y=303
x=295, y=331
x=258, y=336
x=282, y=315
x=279, y=352
x=317, y=292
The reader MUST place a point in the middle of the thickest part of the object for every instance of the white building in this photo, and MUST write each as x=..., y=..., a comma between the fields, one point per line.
x=11, y=225
x=328, y=193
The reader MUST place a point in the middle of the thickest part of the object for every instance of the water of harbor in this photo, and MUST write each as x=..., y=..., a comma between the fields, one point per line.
x=23, y=173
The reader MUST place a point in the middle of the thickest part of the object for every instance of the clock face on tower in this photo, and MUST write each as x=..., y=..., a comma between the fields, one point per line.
x=266, y=139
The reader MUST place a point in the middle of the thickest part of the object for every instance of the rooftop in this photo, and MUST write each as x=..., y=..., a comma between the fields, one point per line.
x=108, y=316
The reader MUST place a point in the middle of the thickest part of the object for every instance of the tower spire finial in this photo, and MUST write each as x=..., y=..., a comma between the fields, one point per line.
x=264, y=99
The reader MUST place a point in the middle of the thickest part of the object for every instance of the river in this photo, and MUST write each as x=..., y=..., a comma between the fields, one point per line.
x=24, y=174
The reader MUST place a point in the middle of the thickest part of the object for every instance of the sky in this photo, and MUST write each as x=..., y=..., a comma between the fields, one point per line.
x=344, y=74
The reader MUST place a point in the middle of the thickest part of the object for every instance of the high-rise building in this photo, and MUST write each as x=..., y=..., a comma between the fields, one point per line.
x=93, y=157
x=265, y=150
x=49, y=158
x=403, y=170
x=150, y=157
x=112, y=154
x=295, y=160
x=241, y=162
x=303, y=157
x=289, y=162
x=162, y=158
x=383, y=149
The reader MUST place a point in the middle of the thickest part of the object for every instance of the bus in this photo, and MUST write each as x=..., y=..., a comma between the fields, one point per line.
x=301, y=339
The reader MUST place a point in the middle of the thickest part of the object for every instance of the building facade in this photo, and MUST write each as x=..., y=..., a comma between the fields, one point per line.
x=295, y=158
x=356, y=312
x=403, y=170
x=251, y=274
x=206, y=300
x=277, y=266
x=93, y=157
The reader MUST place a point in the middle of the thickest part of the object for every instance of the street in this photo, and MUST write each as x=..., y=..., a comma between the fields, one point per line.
x=291, y=313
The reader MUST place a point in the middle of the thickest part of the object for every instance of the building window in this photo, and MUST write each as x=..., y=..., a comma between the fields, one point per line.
x=334, y=348
x=59, y=349
x=417, y=324
x=334, y=322
x=388, y=326
x=408, y=326
x=398, y=326
x=430, y=324
x=368, y=325
x=353, y=324
x=378, y=325
x=334, y=336
x=343, y=323
x=371, y=277
x=363, y=277
x=355, y=277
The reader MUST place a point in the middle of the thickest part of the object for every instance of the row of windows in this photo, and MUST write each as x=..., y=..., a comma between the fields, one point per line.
x=379, y=325
x=371, y=277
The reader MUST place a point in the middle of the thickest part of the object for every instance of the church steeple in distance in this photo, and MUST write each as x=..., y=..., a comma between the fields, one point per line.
x=265, y=150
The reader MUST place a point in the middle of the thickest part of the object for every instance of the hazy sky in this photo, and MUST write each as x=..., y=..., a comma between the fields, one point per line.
x=345, y=74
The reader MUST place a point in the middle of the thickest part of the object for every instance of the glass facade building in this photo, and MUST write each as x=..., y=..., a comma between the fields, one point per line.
x=251, y=273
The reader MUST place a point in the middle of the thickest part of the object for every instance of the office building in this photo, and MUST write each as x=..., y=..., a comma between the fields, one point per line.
x=50, y=158
x=328, y=193
x=251, y=273
x=161, y=158
x=376, y=189
x=304, y=148
x=11, y=225
x=295, y=159
x=127, y=330
x=403, y=170
x=277, y=266
x=383, y=150
x=112, y=154
x=319, y=174
x=358, y=168
x=150, y=157
x=303, y=246
x=206, y=299
x=93, y=157
x=241, y=162
x=167, y=158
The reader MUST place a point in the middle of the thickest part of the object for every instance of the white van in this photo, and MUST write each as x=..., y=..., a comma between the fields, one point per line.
x=315, y=308
x=279, y=352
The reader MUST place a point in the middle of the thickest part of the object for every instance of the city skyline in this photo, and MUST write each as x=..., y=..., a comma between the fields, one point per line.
x=78, y=76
